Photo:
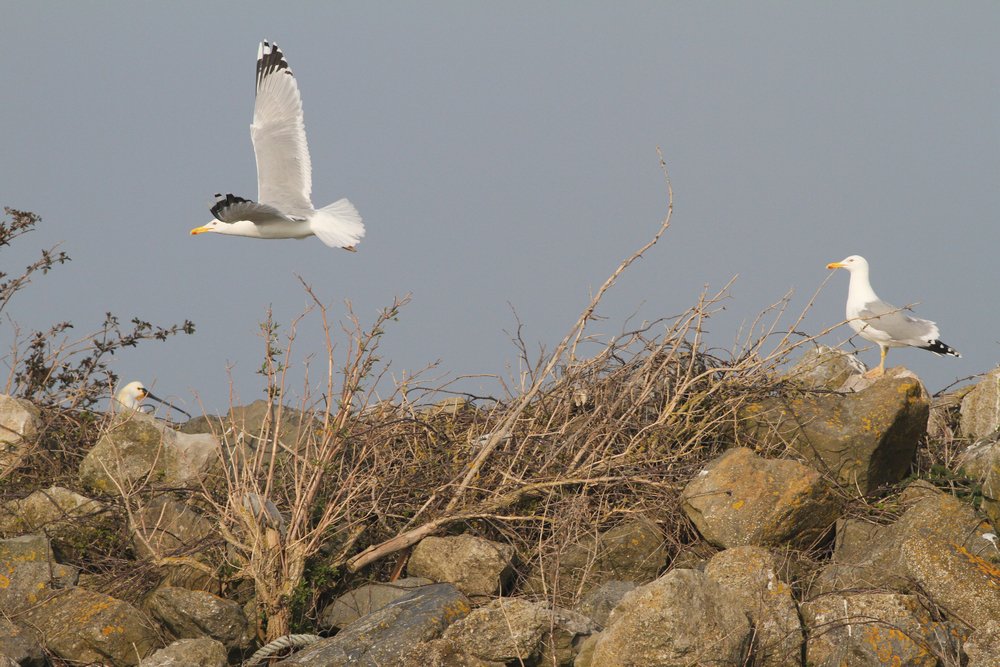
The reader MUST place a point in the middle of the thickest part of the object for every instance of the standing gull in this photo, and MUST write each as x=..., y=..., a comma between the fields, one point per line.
x=284, y=171
x=882, y=323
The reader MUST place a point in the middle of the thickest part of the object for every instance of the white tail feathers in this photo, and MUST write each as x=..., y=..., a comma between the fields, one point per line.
x=338, y=225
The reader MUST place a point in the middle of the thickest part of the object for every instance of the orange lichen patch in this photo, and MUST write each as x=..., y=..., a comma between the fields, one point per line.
x=992, y=572
x=108, y=630
x=738, y=504
x=93, y=610
x=4, y=581
x=889, y=643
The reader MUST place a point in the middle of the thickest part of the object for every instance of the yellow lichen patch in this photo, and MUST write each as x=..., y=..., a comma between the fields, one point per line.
x=738, y=504
x=4, y=581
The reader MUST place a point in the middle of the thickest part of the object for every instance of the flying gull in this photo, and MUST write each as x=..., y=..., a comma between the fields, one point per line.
x=882, y=323
x=284, y=171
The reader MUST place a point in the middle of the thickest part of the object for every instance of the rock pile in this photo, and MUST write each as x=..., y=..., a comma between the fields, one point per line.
x=809, y=549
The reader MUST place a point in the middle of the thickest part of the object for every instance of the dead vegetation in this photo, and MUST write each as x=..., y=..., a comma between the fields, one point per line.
x=598, y=431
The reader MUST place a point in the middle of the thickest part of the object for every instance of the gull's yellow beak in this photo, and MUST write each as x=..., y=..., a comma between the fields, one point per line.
x=199, y=230
x=831, y=265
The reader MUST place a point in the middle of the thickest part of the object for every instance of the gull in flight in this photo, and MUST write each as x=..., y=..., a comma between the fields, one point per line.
x=882, y=323
x=284, y=171
x=133, y=394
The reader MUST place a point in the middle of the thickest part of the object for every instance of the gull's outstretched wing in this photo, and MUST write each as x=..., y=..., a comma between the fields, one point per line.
x=896, y=325
x=230, y=208
x=284, y=172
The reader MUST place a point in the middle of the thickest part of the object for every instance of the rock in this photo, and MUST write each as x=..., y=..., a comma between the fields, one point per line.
x=193, y=614
x=954, y=578
x=513, y=629
x=29, y=572
x=441, y=653
x=943, y=424
x=751, y=574
x=874, y=629
x=823, y=367
x=983, y=646
x=682, y=618
x=72, y=522
x=476, y=566
x=20, y=645
x=251, y=425
x=365, y=599
x=567, y=632
x=598, y=603
x=384, y=636
x=585, y=658
x=201, y=652
x=82, y=626
x=633, y=551
x=449, y=407
x=864, y=440
x=981, y=462
x=139, y=448
x=506, y=629
x=167, y=527
x=980, y=411
x=868, y=556
x=19, y=424
x=741, y=499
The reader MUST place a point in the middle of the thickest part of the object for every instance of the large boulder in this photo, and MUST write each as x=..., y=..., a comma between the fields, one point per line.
x=980, y=411
x=73, y=522
x=365, y=599
x=475, y=565
x=20, y=645
x=82, y=626
x=139, y=449
x=874, y=629
x=983, y=646
x=383, y=637
x=202, y=652
x=598, y=602
x=741, y=499
x=516, y=630
x=981, y=462
x=506, y=629
x=441, y=653
x=752, y=575
x=20, y=421
x=683, y=618
x=864, y=440
x=633, y=551
x=954, y=578
x=247, y=428
x=193, y=614
x=173, y=533
x=29, y=572
x=868, y=555
x=824, y=367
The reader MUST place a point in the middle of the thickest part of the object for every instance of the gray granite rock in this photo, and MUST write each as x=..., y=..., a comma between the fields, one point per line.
x=383, y=637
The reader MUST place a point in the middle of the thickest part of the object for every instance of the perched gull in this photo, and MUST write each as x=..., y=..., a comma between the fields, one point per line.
x=284, y=171
x=131, y=395
x=882, y=323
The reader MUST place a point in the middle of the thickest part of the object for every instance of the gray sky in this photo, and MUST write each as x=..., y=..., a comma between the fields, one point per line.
x=502, y=155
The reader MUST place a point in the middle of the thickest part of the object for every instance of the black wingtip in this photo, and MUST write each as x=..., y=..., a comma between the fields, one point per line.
x=224, y=201
x=270, y=59
x=937, y=347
